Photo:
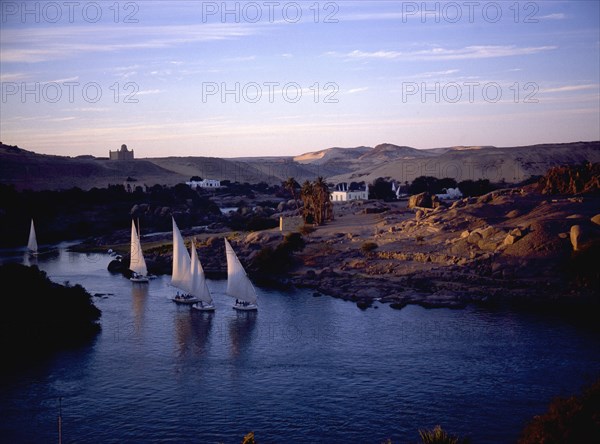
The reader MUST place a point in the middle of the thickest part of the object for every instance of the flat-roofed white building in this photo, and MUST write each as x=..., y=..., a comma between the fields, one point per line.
x=204, y=183
x=343, y=194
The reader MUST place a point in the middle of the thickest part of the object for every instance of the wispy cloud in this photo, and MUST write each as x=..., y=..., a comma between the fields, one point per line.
x=569, y=88
x=148, y=92
x=439, y=53
x=67, y=79
x=39, y=44
x=357, y=90
x=559, y=16
x=14, y=77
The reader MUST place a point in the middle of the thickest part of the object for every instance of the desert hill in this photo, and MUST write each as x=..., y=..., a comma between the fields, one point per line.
x=511, y=164
x=332, y=154
x=29, y=170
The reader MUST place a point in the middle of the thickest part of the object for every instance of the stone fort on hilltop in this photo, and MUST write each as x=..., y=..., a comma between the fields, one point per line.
x=122, y=154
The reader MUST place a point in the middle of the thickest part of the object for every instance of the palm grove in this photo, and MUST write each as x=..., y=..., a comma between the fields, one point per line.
x=317, y=207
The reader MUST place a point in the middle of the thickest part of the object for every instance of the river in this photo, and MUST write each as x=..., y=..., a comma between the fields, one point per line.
x=301, y=369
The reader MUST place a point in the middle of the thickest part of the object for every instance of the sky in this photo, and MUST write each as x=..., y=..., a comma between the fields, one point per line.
x=277, y=78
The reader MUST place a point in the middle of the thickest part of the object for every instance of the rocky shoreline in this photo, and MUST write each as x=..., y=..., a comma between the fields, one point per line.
x=514, y=247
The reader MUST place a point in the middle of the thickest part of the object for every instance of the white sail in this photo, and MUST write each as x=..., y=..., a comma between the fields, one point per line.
x=32, y=243
x=137, y=262
x=239, y=285
x=181, y=275
x=198, y=286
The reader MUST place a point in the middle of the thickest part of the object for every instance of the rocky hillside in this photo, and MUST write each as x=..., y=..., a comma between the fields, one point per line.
x=29, y=170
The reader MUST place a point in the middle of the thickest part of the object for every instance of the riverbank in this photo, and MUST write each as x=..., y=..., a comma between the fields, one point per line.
x=508, y=247
x=511, y=247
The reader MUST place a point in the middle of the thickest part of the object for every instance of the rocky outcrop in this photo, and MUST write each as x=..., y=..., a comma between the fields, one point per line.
x=424, y=200
x=580, y=179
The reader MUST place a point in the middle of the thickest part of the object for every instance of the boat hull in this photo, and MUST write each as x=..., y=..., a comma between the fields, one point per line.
x=184, y=301
x=203, y=307
x=249, y=307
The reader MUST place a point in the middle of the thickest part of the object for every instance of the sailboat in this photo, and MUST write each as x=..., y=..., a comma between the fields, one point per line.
x=137, y=263
x=199, y=288
x=239, y=285
x=188, y=275
x=32, y=244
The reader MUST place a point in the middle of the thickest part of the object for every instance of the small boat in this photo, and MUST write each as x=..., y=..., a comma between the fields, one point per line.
x=32, y=244
x=137, y=263
x=239, y=285
x=188, y=275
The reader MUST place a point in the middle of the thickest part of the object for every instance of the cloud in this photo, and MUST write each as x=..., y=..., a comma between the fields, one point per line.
x=438, y=53
x=357, y=90
x=148, y=91
x=569, y=88
x=68, y=79
x=40, y=44
x=559, y=16
x=14, y=77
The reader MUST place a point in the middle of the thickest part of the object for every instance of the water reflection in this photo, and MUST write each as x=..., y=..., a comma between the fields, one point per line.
x=240, y=330
x=30, y=259
x=193, y=331
x=201, y=325
x=139, y=297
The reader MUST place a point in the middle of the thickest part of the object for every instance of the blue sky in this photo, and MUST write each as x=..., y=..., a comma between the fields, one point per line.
x=191, y=78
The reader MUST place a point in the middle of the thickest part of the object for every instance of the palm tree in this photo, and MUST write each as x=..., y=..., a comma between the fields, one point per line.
x=307, y=195
x=291, y=185
x=317, y=202
x=321, y=191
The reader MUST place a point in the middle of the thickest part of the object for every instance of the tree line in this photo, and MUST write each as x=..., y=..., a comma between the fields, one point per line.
x=317, y=207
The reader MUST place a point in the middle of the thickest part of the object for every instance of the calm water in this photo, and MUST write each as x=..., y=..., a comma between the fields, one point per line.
x=302, y=369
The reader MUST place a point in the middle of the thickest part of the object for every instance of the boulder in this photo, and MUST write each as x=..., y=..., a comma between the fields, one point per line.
x=261, y=237
x=488, y=232
x=516, y=232
x=509, y=239
x=474, y=238
x=423, y=200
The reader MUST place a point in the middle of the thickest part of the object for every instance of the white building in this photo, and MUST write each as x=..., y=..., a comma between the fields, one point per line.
x=342, y=194
x=450, y=194
x=204, y=183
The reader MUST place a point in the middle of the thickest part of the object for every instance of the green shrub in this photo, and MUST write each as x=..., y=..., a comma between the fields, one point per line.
x=568, y=420
x=279, y=259
x=440, y=436
x=293, y=242
x=367, y=247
